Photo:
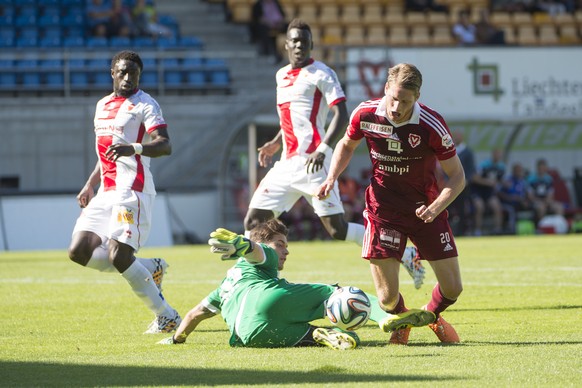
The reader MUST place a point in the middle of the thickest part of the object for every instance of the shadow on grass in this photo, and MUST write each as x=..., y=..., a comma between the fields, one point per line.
x=70, y=375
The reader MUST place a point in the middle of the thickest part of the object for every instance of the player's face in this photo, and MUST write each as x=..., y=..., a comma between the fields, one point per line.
x=125, y=76
x=399, y=103
x=298, y=46
x=279, y=244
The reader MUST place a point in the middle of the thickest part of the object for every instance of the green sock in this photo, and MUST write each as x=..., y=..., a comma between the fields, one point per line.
x=377, y=313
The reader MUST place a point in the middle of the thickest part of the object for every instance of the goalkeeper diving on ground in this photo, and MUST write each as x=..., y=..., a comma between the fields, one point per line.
x=264, y=311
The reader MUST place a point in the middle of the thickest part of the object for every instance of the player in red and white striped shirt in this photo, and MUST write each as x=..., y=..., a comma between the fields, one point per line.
x=130, y=129
x=405, y=139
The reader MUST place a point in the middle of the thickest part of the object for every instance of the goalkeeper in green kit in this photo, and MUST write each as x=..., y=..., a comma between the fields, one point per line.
x=265, y=311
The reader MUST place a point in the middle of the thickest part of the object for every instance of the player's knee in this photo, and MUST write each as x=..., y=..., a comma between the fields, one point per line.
x=79, y=254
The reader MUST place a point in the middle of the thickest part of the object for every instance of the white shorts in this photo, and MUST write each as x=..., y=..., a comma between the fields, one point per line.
x=124, y=216
x=288, y=181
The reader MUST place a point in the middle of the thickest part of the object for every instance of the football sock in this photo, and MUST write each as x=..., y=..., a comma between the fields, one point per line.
x=438, y=303
x=355, y=233
x=377, y=314
x=140, y=280
x=100, y=259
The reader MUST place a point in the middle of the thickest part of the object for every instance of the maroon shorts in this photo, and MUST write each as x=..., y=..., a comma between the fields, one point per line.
x=387, y=237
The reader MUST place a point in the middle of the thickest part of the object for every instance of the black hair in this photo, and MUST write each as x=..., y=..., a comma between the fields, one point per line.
x=299, y=24
x=128, y=56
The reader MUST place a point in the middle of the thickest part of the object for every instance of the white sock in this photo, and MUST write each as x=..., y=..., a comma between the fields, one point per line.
x=247, y=233
x=100, y=259
x=140, y=280
x=355, y=233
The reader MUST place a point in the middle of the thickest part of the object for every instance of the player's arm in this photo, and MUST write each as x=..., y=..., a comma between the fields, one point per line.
x=336, y=126
x=451, y=189
x=344, y=150
x=189, y=323
x=158, y=146
x=88, y=191
x=269, y=149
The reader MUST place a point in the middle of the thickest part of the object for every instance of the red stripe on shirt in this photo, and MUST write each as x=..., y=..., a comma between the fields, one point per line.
x=291, y=142
x=108, y=168
x=139, y=181
x=313, y=120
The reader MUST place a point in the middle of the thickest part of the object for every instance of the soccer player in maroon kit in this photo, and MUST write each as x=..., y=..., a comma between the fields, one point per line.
x=405, y=140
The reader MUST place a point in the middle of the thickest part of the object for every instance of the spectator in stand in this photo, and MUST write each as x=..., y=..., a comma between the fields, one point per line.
x=146, y=19
x=98, y=17
x=514, y=193
x=484, y=187
x=487, y=33
x=424, y=6
x=542, y=191
x=267, y=21
x=463, y=30
x=460, y=208
x=120, y=21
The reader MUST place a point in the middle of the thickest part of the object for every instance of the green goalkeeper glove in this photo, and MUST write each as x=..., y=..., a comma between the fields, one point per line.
x=229, y=244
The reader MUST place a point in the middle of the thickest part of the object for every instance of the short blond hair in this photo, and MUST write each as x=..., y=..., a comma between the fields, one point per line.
x=405, y=75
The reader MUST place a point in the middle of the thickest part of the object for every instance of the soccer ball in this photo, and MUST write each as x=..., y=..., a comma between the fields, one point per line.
x=348, y=308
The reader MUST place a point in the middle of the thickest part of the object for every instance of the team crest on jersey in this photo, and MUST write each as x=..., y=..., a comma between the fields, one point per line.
x=125, y=216
x=413, y=140
x=447, y=141
x=390, y=238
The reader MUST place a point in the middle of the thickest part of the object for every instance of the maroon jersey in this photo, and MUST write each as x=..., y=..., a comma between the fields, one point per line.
x=403, y=156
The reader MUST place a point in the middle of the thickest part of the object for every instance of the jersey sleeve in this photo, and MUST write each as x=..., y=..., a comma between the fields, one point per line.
x=271, y=261
x=331, y=88
x=212, y=301
x=440, y=140
x=153, y=118
x=353, y=130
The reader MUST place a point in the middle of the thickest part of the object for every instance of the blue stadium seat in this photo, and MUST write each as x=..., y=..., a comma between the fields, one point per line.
x=50, y=42
x=191, y=42
x=6, y=19
x=143, y=42
x=73, y=20
x=99, y=64
x=76, y=32
x=25, y=2
x=79, y=79
x=7, y=80
x=51, y=64
x=53, y=32
x=102, y=79
x=6, y=64
x=29, y=32
x=96, y=42
x=54, y=79
x=219, y=78
x=196, y=78
x=26, y=63
x=73, y=41
x=25, y=20
x=166, y=43
x=149, y=79
x=6, y=41
x=171, y=63
x=7, y=2
x=192, y=63
x=24, y=42
x=119, y=42
x=149, y=63
x=77, y=63
x=49, y=20
x=45, y=3
x=30, y=80
x=173, y=78
x=68, y=3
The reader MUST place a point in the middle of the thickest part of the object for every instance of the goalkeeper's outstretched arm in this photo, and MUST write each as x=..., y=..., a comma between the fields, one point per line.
x=189, y=323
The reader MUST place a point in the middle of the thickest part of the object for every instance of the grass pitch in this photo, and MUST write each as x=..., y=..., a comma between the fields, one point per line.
x=519, y=316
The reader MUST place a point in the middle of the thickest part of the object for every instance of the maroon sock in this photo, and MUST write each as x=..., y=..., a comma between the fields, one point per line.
x=438, y=302
x=400, y=307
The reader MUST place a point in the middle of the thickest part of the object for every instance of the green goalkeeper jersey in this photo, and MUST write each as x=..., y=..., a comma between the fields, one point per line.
x=262, y=310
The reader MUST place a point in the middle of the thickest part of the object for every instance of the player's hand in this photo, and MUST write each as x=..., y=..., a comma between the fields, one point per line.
x=115, y=151
x=324, y=190
x=425, y=214
x=266, y=153
x=85, y=196
x=315, y=161
x=229, y=244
